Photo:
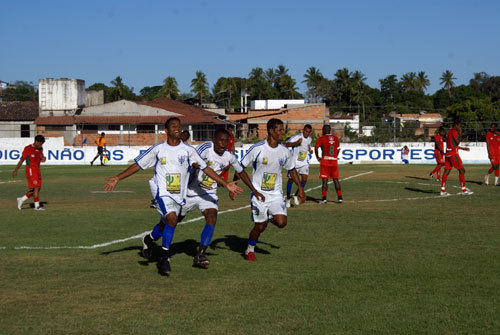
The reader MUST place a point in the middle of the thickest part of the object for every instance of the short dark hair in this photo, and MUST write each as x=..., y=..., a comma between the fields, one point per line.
x=230, y=126
x=308, y=126
x=456, y=122
x=494, y=124
x=184, y=132
x=221, y=131
x=173, y=118
x=441, y=129
x=103, y=133
x=273, y=123
x=39, y=138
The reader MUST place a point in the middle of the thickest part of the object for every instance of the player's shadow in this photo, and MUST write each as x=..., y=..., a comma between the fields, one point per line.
x=42, y=204
x=419, y=178
x=421, y=190
x=474, y=182
x=239, y=245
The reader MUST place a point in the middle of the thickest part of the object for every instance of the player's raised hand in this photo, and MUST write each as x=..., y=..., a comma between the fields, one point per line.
x=110, y=185
x=232, y=187
x=259, y=196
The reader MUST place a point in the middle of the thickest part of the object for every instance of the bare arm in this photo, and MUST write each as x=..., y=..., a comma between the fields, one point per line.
x=14, y=173
x=246, y=179
x=232, y=187
x=316, y=152
x=294, y=144
x=112, y=181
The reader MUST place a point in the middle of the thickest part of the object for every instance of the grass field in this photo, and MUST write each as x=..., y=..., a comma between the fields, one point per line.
x=395, y=258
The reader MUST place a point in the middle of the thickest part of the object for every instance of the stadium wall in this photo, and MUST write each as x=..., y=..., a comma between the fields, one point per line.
x=351, y=153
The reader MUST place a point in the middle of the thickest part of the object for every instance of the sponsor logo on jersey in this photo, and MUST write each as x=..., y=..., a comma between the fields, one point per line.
x=264, y=160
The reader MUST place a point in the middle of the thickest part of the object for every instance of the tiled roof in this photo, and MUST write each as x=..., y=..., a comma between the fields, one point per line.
x=18, y=110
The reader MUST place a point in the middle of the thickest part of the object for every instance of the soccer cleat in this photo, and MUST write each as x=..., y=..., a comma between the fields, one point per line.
x=467, y=192
x=487, y=179
x=444, y=193
x=164, y=263
x=91, y=163
x=147, y=246
x=340, y=200
x=250, y=257
x=39, y=209
x=431, y=176
x=201, y=261
x=288, y=205
x=323, y=201
x=152, y=204
x=296, y=200
x=19, y=203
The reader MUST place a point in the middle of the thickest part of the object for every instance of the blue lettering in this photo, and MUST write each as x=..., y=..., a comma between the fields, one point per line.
x=14, y=154
x=429, y=154
x=118, y=155
x=53, y=155
x=360, y=153
x=347, y=154
x=415, y=154
x=78, y=155
x=66, y=154
x=374, y=153
x=388, y=153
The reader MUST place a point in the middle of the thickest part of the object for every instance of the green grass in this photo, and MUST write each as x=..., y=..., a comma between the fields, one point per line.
x=429, y=265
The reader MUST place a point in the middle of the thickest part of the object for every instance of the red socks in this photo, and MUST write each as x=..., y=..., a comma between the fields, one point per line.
x=323, y=193
x=462, y=179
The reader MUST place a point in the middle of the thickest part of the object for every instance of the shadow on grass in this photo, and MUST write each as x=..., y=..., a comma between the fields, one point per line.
x=421, y=191
x=474, y=182
x=239, y=245
x=419, y=178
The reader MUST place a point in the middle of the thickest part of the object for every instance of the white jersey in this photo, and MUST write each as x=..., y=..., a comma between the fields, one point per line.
x=172, y=166
x=199, y=182
x=300, y=153
x=267, y=164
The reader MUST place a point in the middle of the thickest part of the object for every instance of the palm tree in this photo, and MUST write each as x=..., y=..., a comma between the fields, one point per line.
x=200, y=85
x=169, y=89
x=447, y=81
x=287, y=87
x=343, y=83
x=358, y=81
x=409, y=81
x=313, y=81
x=422, y=81
x=257, y=83
x=119, y=87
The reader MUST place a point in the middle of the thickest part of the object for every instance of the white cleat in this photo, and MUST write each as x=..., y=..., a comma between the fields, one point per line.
x=19, y=203
x=487, y=179
x=39, y=209
x=296, y=200
x=288, y=205
x=322, y=202
x=444, y=193
x=467, y=192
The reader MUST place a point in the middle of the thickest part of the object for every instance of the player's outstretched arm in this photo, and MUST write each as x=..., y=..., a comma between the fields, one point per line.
x=14, y=173
x=246, y=179
x=295, y=177
x=464, y=148
x=232, y=187
x=294, y=144
x=112, y=181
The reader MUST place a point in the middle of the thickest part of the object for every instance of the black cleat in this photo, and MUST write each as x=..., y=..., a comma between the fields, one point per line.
x=164, y=263
x=201, y=260
x=340, y=200
x=147, y=246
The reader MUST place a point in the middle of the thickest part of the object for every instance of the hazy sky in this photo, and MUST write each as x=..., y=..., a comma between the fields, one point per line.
x=146, y=41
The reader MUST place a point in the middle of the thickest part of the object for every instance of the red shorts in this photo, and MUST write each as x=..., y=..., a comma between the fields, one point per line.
x=495, y=160
x=34, y=178
x=328, y=171
x=453, y=161
x=439, y=157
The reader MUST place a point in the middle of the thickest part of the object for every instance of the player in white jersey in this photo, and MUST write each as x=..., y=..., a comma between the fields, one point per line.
x=300, y=145
x=172, y=160
x=202, y=190
x=268, y=158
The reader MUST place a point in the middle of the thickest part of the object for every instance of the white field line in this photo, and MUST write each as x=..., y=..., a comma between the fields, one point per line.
x=9, y=182
x=112, y=192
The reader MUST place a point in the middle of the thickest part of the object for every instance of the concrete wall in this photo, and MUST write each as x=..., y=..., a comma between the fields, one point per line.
x=125, y=108
x=12, y=129
x=274, y=104
x=60, y=96
x=93, y=98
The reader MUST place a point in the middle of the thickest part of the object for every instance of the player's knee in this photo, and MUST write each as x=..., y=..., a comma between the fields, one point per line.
x=260, y=227
x=280, y=223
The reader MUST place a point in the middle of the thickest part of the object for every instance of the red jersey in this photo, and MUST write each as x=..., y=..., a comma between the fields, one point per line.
x=330, y=147
x=493, y=140
x=32, y=156
x=439, y=142
x=230, y=144
x=452, y=142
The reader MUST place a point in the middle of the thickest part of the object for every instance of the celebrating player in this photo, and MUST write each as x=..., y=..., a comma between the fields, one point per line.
x=329, y=145
x=33, y=155
x=452, y=158
x=172, y=160
x=438, y=153
x=230, y=148
x=101, y=146
x=268, y=158
x=301, y=148
x=493, y=144
x=202, y=193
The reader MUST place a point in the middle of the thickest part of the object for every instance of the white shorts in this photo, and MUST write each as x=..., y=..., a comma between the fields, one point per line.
x=264, y=211
x=202, y=202
x=165, y=205
x=300, y=170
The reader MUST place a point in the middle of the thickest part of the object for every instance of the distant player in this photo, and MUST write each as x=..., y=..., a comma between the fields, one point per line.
x=493, y=144
x=328, y=162
x=300, y=145
x=202, y=192
x=452, y=158
x=101, y=146
x=172, y=160
x=33, y=155
x=438, y=153
x=231, y=149
x=268, y=158
x=405, y=152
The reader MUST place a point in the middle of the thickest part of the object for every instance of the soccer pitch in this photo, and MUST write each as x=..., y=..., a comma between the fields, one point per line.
x=395, y=257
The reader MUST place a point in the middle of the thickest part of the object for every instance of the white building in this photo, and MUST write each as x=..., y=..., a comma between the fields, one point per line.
x=59, y=97
x=275, y=104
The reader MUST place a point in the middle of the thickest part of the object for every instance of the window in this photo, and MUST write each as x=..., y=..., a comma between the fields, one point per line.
x=25, y=130
x=145, y=128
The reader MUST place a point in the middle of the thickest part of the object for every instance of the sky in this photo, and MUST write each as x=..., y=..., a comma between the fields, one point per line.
x=146, y=41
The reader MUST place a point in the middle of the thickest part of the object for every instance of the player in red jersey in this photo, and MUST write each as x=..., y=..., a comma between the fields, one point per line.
x=493, y=144
x=329, y=145
x=438, y=153
x=33, y=155
x=452, y=159
x=230, y=148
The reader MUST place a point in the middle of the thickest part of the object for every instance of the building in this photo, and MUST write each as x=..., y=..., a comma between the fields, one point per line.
x=16, y=118
x=61, y=96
